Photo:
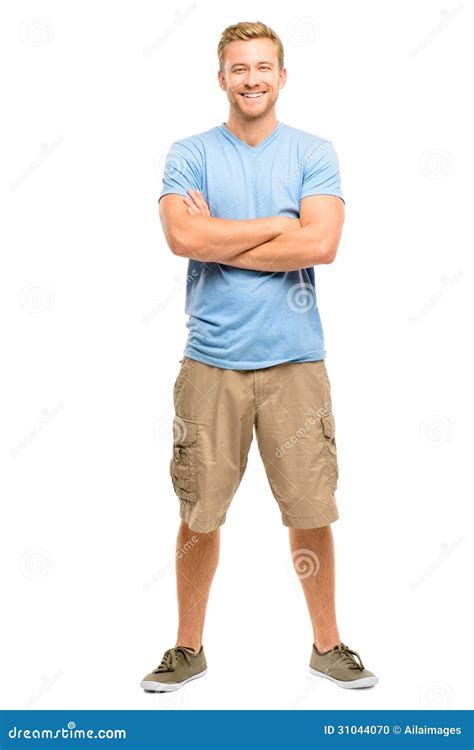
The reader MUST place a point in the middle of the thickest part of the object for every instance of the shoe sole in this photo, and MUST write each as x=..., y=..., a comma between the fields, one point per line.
x=362, y=683
x=152, y=686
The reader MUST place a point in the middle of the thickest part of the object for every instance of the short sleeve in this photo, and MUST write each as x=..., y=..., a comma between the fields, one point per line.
x=183, y=169
x=321, y=171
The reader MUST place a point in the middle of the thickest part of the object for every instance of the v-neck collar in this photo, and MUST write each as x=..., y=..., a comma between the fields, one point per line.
x=230, y=135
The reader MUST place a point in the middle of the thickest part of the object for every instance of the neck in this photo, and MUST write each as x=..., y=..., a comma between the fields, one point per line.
x=251, y=131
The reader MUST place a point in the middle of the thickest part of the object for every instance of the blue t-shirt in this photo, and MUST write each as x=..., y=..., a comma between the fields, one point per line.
x=242, y=319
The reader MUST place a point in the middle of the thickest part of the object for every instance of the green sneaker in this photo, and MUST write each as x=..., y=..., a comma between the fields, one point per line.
x=178, y=666
x=340, y=666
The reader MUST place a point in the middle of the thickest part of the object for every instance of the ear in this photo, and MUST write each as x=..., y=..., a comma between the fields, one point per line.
x=221, y=80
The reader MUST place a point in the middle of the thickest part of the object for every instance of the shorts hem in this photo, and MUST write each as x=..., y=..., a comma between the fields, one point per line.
x=308, y=523
x=203, y=529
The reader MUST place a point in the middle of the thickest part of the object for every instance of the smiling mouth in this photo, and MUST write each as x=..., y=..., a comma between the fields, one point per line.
x=254, y=95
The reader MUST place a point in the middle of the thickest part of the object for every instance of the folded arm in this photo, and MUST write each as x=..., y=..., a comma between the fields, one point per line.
x=193, y=233
x=315, y=242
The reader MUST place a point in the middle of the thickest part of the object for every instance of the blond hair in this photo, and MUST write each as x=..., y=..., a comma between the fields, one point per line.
x=247, y=30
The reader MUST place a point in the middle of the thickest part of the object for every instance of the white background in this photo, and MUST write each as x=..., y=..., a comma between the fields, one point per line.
x=92, y=307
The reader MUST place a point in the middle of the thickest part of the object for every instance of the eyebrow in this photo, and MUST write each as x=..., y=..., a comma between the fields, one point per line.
x=262, y=62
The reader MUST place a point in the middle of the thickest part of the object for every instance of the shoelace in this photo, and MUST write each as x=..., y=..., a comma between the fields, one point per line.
x=347, y=655
x=169, y=660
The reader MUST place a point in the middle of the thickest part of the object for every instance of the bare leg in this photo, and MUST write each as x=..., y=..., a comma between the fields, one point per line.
x=316, y=571
x=197, y=556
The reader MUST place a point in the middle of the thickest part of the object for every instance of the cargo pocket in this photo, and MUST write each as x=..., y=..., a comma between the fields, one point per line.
x=183, y=465
x=329, y=432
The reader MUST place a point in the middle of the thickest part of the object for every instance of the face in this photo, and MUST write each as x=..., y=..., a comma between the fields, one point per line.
x=251, y=68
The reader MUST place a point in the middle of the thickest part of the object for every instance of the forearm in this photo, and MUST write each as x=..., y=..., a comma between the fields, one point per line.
x=289, y=251
x=211, y=239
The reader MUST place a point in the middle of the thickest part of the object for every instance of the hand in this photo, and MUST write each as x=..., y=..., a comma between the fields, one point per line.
x=196, y=204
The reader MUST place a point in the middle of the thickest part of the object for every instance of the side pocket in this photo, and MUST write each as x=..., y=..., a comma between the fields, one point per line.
x=183, y=465
x=329, y=432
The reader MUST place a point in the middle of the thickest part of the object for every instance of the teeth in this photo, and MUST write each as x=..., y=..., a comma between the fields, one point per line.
x=253, y=96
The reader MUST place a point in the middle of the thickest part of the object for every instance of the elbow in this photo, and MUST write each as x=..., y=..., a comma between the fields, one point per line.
x=329, y=258
x=185, y=241
x=175, y=247
x=177, y=244
x=327, y=253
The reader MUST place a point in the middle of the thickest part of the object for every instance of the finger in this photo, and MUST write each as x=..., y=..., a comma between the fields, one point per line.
x=192, y=207
x=195, y=200
x=199, y=199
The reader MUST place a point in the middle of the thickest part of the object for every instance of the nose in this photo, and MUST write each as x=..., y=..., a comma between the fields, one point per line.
x=251, y=78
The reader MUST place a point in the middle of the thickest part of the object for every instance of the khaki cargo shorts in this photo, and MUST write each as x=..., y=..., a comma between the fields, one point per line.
x=216, y=411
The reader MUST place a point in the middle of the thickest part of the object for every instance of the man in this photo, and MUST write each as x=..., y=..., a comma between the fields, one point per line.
x=253, y=204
